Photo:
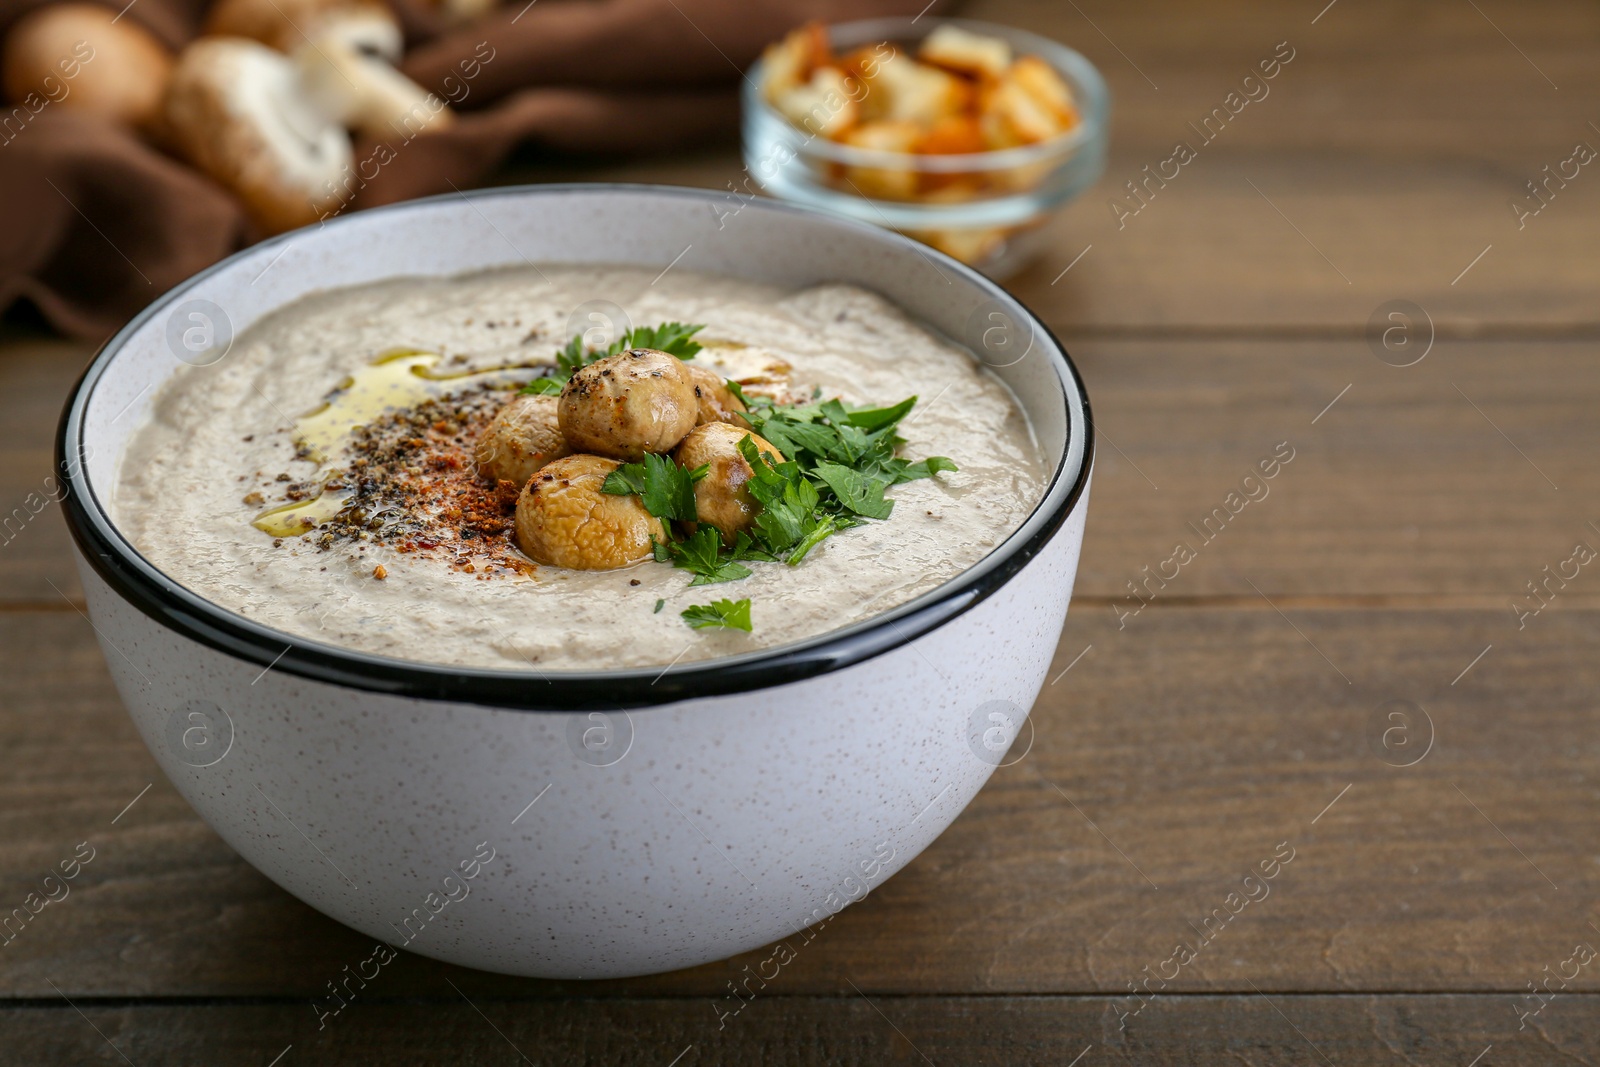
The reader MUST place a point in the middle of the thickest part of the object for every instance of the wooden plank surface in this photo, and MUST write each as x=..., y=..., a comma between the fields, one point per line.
x=1382, y=161
x=1412, y=79
x=1203, y=1031
x=1177, y=754
x=1252, y=239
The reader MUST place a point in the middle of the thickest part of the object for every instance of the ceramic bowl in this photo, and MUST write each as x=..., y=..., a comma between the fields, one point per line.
x=582, y=825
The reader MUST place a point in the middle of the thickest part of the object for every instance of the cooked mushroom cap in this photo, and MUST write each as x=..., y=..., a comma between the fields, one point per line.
x=236, y=111
x=564, y=520
x=716, y=403
x=80, y=57
x=721, y=497
x=520, y=439
x=625, y=405
x=286, y=24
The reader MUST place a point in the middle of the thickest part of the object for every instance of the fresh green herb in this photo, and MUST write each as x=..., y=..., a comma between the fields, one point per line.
x=791, y=506
x=745, y=547
x=573, y=356
x=659, y=605
x=841, y=463
x=666, y=489
x=923, y=468
x=870, y=419
x=823, y=529
x=670, y=337
x=849, y=451
x=860, y=439
x=858, y=491
x=544, y=387
x=720, y=614
x=702, y=554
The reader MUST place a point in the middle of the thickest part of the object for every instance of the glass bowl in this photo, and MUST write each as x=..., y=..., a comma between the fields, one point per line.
x=984, y=208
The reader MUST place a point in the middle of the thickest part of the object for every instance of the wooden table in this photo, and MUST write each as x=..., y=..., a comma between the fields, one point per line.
x=1444, y=862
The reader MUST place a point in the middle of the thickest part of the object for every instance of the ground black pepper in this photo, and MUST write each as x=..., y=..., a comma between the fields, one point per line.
x=413, y=485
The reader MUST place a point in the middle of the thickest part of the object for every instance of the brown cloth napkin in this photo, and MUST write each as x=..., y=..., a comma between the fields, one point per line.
x=96, y=222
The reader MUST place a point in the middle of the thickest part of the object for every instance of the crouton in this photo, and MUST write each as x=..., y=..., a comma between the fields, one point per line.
x=824, y=105
x=789, y=63
x=903, y=90
x=961, y=50
x=888, y=183
x=1012, y=114
x=1042, y=82
x=953, y=136
x=971, y=246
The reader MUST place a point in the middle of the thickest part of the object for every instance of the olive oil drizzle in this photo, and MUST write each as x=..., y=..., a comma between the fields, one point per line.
x=396, y=380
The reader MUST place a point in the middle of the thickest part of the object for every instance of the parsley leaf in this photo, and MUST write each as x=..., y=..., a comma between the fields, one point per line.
x=666, y=488
x=787, y=499
x=871, y=419
x=543, y=387
x=573, y=356
x=823, y=529
x=628, y=478
x=720, y=614
x=701, y=553
x=699, y=550
x=860, y=492
x=745, y=548
x=660, y=603
x=792, y=519
x=670, y=337
x=924, y=468
x=793, y=436
x=841, y=462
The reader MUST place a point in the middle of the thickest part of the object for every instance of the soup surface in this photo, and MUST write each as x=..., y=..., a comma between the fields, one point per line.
x=263, y=481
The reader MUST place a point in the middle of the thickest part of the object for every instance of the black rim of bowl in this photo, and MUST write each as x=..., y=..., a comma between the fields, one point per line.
x=141, y=584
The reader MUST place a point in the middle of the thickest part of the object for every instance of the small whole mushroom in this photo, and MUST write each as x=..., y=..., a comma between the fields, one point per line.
x=286, y=25
x=722, y=497
x=565, y=520
x=237, y=110
x=628, y=404
x=362, y=90
x=522, y=437
x=460, y=11
x=715, y=400
x=80, y=57
x=265, y=107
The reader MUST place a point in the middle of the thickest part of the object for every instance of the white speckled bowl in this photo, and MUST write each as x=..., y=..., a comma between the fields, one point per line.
x=583, y=825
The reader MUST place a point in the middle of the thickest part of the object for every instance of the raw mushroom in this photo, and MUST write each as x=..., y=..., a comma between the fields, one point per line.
x=286, y=25
x=237, y=111
x=364, y=92
x=460, y=11
x=80, y=57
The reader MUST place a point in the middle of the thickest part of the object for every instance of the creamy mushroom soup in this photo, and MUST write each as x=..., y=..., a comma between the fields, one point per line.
x=351, y=471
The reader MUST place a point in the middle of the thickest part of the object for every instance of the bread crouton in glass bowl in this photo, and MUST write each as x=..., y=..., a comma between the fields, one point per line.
x=965, y=135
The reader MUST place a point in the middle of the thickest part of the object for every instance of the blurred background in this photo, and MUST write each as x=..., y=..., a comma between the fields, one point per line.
x=1391, y=144
x=135, y=150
